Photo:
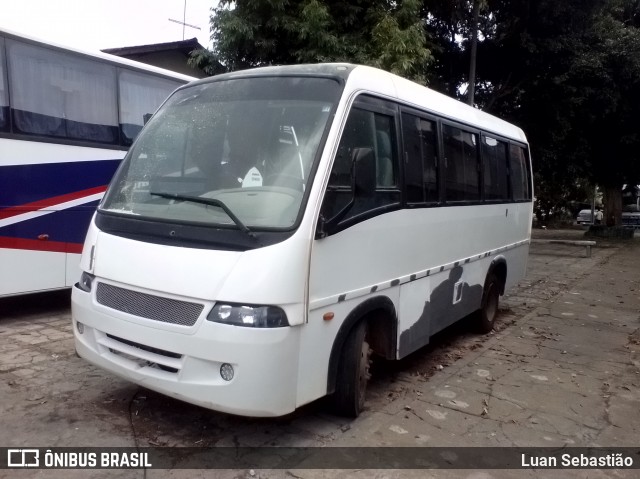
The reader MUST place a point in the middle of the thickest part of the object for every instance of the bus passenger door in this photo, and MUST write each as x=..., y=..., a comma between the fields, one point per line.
x=353, y=260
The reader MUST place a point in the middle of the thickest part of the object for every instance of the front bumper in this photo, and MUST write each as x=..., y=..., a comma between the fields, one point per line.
x=186, y=365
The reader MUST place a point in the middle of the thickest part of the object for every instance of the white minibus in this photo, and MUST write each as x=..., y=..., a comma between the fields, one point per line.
x=271, y=229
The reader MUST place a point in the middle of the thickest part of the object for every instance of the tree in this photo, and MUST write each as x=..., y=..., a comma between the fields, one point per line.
x=568, y=73
x=474, y=52
x=611, y=80
x=249, y=33
x=449, y=24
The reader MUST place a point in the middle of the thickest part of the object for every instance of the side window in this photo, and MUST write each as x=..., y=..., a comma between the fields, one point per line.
x=59, y=95
x=519, y=173
x=4, y=99
x=420, y=149
x=372, y=135
x=494, y=158
x=461, y=162
x=140, y=95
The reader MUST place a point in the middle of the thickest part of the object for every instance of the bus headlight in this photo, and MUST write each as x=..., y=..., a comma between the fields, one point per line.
x=249, y=316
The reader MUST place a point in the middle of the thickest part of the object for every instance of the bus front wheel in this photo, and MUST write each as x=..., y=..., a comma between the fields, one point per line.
x=353, y=373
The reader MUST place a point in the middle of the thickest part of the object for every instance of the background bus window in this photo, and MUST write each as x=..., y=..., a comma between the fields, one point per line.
x=518, y=165
x=461, y=158
x=421, y=179
x=59, y=95
x=140, y=95
x=364, y=129
x=494, y=157
x=4, y=100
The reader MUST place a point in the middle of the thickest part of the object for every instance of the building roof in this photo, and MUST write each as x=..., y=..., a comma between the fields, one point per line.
x=170, y=55
x=184, y=46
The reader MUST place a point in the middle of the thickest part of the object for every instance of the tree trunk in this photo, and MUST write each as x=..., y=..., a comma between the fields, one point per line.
x=612, y=198
x=474, y=52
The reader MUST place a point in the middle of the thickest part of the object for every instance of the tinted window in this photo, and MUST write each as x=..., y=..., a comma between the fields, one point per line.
x=365, y=133
x=520, y=177
x=4, y=101
x=140, y=96
x=461, y=158
x=59, y=95
x=420, y=140
x=494, y=158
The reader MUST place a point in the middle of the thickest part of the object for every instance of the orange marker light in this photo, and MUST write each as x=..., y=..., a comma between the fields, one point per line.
x=328, y=316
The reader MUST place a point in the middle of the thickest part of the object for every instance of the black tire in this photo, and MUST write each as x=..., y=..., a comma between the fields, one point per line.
x=489, y=308
x=353, y=373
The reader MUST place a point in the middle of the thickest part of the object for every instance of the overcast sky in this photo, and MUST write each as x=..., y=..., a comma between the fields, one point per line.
x=98, y=24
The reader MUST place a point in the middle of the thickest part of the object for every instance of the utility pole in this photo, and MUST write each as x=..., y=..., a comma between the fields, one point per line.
x=184, y=20
x=474, y=52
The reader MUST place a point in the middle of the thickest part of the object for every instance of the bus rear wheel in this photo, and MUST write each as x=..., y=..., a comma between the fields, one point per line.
x=489, y=308
x=353, y=373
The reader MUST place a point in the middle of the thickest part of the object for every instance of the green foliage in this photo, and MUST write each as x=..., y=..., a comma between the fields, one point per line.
x=206, y=61
x=568, y=73
x=398, y=42
x=389, y=35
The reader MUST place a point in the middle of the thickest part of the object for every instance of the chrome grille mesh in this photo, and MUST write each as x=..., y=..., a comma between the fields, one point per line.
x=148, y=306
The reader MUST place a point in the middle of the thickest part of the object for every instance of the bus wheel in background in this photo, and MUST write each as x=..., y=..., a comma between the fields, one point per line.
x=353, y=373
x=489, y=308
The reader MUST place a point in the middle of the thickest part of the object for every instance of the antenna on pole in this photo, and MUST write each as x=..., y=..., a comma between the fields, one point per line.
x=184, y=19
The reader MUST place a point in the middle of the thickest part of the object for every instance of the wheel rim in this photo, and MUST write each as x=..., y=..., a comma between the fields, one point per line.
x=363, y=372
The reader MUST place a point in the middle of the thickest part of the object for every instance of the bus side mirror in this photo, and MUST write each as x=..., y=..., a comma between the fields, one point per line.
x=364, y=172
x=363, y=185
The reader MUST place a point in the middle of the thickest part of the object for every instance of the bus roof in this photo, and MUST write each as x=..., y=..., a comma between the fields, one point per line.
x=365, y=79
x=98, y=55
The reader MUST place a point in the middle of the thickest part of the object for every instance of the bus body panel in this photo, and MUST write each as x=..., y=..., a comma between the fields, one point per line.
x=48, y=193
x=174, y=270
x=273, y=275
x=30, y=271
x=72, y=269
x=263, y=360
x=405, y=250
x=410, y=241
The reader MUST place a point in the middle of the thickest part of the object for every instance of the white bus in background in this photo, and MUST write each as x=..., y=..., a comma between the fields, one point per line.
x=66, y=120
x=270, y=229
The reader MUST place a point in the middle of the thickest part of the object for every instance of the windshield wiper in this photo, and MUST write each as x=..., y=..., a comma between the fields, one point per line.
x=210, y=202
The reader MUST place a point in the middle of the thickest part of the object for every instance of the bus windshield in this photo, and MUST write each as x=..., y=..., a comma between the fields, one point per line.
x=234, y=153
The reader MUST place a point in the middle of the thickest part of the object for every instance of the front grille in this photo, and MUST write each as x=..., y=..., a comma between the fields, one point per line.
x=148, y=306
x=150, y=349
x=141, y=355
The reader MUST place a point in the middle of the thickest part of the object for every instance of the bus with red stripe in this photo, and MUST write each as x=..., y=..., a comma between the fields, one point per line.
x=67, y=118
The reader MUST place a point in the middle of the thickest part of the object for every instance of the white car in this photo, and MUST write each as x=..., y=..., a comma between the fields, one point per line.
x=584, y=217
